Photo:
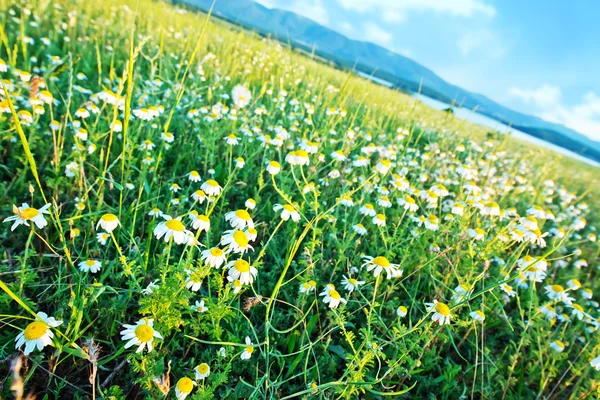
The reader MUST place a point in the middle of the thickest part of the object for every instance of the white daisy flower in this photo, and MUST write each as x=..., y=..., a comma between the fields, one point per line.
x=241, y=270
x=202, y=371
x=239, y=219
x=173, y=228
x=287, y=211
x=108, y=222
x=142, y=334
x=92, y=266
x=37, y=334
x=184, y=387
x=379, y=264
x=25, y=213
x=441, y=312
x=214, y=257
x=248, y=350
x=211, y=187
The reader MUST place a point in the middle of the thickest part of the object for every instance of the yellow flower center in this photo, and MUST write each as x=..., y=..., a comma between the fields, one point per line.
x=352, y=281
x=144, y=333
x=90, y=263
x=558, y=288
x=203, y=218
x=35, y=330
x=288, y=208
x=212, y=182
x=240, y=239
x=175, y=225
x=577, y=307
x=243, y=214
x=274, y=164
x=242, y=266
x=109, y=217
x=334, y=294
x=29, y=213
x=442, y=309
x=185, y=385
x=203, y=368
x=216, y=252
x=249, y=349
x=381, y=262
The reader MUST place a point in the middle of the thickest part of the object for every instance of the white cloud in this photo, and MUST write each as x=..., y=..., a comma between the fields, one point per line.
x=463, y=8
x=312, y=9
x=545, y=96
x=373, y=33
x=583, y=117
x=394, y=16
x=346, y=27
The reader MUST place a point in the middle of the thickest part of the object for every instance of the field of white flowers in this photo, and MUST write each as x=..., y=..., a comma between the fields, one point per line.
x=192, y=211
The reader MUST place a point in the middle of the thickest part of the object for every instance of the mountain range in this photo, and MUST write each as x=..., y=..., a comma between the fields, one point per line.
x=400, y=71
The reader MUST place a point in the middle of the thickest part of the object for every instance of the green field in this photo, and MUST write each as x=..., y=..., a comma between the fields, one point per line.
x=193, y=210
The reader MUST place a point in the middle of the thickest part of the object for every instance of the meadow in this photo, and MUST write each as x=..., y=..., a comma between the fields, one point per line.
x=193, y=211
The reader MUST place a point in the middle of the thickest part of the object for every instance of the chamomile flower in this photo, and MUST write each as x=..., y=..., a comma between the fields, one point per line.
x=287, y=211
x=333, y=298
x=368, y=210
x=172, y=228
x=360, y=229
x=401, y=311
x=199, y=196
x=577, y=311
x=199, y=221
x=408, y=203
x=202, y=371
x=595, y=363
x=215, y=257
x=37, y=334
x=273, y=167
x=250, y=204
x=184, y=387
x=92, y=266
x=379, y=264
x=239, y=219
x=24, y=214
x=350, y=284
x=379, y=220
x=102, y=238
x=248, y=350
x=108, y=222
x=477, y=315
x=306, y=287
x=211, y=187
x=237, y=241
x=558, y=293
x=557, y=346
x=199, y=306
x=441, y=312
x=194, y=176
x=241, y=270
x=142, y=334
x=508, y=290
x=193, y=281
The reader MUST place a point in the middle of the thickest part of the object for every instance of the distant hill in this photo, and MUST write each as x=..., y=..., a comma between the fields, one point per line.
x=400, y=71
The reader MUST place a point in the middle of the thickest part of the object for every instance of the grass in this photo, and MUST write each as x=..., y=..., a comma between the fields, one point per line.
x=179, y=87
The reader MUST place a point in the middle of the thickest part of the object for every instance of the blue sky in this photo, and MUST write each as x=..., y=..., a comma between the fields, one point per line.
x=537, y=57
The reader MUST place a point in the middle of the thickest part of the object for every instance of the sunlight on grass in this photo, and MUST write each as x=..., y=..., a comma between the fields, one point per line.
x=192, y=209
